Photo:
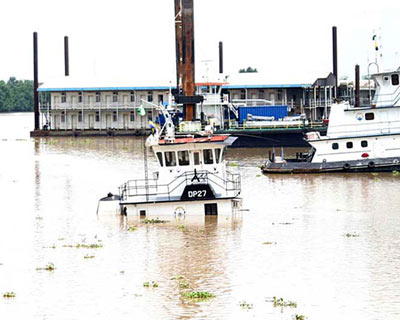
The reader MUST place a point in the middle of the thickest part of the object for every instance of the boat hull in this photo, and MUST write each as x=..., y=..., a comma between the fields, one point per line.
x=364, y=165
x=214, y=207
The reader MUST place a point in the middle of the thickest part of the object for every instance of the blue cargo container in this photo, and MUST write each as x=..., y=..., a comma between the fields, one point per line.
x=278, y=112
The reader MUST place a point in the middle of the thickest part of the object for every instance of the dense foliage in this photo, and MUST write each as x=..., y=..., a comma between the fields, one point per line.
x=16, y=95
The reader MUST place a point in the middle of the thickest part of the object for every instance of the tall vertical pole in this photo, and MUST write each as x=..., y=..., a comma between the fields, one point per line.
x=188, y=65
x=357, y=83
x=35, y=82
x=66, y=56
x=178, y=43
x=221, y=57
x=334, y=56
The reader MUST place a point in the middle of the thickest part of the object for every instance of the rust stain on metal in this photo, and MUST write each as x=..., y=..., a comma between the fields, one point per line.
x=184, y=32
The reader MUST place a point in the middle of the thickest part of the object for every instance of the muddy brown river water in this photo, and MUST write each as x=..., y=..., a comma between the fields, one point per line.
x=329, y=243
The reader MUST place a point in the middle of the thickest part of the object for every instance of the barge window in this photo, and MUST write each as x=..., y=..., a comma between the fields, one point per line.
x=196, y=158
x=364, y=143
x=132, y=114
x=63, y=97
x=63, y=116
x=395, y=79
x=160, y=158
x=335, y=146
x=369, y=116
x=170, y=159
x=115, y=116
x=349, y=145
x=183, y=158
x=132, y=96
x=97, y=116
x=115, y=96
x=217, y=155
x=150, y=96
x=97, y=96
x=80, y=97
x=208, y=156
x=80, y=116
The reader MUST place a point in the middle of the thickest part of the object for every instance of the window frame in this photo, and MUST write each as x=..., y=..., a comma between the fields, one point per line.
x=171, y=162
x=369, y=116
x=362, y=144
x=183, y=162
x=335, y=146
x=395, y=76
x=160, y=157
x=349, y=145
x=207, y=160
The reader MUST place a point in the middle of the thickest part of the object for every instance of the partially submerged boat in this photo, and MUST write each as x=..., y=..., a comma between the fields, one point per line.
x=359, y=139
x=192, y=178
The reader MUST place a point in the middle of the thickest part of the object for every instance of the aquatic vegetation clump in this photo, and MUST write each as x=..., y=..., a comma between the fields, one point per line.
x=351, y=235
x=245, y=305
x=154, y=221
x=49, y=267
x=396, y=173
x=299, y=317
x=88, y=257
x=150, y=284
x=177, y=277
x=181, y=227
x=84, y=245
x=198, y=295
x=9, y=295
x=183, y=284
x=132, y=228
x=268, y=243
x=279, y=302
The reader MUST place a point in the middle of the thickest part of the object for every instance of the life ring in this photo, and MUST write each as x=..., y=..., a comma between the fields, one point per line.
x=371, y=164
x=179, y=211
x=396, y=161
x=346, y=166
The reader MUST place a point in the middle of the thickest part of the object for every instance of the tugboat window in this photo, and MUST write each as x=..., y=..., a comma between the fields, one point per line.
x=208, y=156
x=335, y=146
x=349, y=145
x=196, y=158
x=170, y=159
x=369, y=116
x=160, y=158
x=183, y=158
x=364, y=143
x=395, y=79
x=217, y=155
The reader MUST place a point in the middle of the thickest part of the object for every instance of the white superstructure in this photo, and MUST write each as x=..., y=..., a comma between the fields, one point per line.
x=363, y=133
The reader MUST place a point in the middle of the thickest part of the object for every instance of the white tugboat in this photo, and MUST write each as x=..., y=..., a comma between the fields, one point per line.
x=192, y=178
x=359, y=139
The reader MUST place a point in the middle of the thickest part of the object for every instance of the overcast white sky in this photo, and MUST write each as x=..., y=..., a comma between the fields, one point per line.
x=287, y=41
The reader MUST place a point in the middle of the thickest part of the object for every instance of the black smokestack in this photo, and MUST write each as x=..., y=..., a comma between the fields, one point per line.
x=334, y=54
x=221, y=57
x=35, y=81
x=66, y=56
x=357, y=91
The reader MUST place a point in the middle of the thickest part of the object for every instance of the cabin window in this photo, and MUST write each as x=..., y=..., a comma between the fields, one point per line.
x=150, y=96
x=80, y=116
x=364, y=143
x=97, y=96
x=115, y=96
x=80, y=97
x=183, y=158
x=242, y=94
x=115, y=116
x=349, y=145
x=170, y=159
x=335, y=146
x=160, y=99
x=97, y=116
x=63, y=116
x=369, y=116
x=63, y=97
x=196, y=158
x=217, y=155
x=208, y=156
x=395, y=79
x=160, y=158
x=132, y=96
x=132, y=115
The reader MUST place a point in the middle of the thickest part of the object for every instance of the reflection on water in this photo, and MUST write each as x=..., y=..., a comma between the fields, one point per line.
x=291, y=243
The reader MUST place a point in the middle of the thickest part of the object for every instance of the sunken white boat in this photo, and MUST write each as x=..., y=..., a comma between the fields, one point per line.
x=192, y=178
x=359, y=139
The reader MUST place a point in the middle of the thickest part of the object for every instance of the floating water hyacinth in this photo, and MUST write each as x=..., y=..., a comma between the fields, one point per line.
x=154, y=221
x=198, y=295
x=245, y=305
x=279, y=302
x=150, y=284
x=49, y=267
x=9, y=295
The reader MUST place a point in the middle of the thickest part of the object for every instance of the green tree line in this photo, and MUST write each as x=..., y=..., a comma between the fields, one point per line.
x=16, y=95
